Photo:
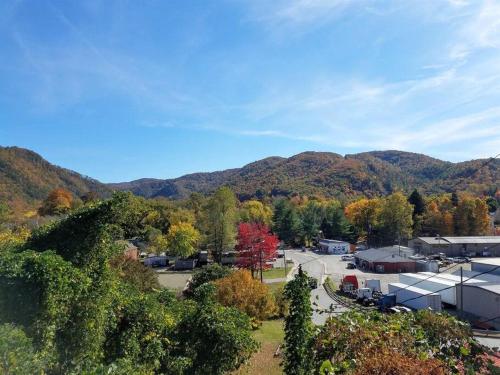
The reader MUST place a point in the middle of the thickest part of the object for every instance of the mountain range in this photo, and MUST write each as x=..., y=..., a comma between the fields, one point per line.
x=26, y=177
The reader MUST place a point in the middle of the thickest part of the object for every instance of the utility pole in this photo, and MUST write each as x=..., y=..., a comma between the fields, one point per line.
x=261, y=275
x=461, y=292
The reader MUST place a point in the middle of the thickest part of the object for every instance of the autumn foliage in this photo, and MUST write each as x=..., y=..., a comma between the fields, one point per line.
x=256, y=246
x=59, y=201
x=242, y=291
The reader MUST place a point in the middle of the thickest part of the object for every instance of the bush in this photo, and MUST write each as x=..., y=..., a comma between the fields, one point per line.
x=18, y=357
x=206, y=274
x=282, y=304
x=242, y=291
x=216, y=339
x=401, y=343
x=135, y=273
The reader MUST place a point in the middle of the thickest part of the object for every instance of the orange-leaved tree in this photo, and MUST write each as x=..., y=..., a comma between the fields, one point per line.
x=58, y=202
x=242, y=291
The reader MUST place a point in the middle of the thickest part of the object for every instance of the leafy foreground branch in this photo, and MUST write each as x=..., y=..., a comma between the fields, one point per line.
x=358, y=343
x=68, y=307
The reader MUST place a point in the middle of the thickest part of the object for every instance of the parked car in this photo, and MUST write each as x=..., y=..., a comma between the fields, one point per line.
x=347, y=257
x=350, y=266
x=313, y=282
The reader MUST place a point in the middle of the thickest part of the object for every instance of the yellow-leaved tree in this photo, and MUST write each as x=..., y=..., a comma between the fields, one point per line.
x=182, y=239
x=242, y=291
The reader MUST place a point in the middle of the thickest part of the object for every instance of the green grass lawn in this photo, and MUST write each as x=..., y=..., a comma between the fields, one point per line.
x=269, y=335
x=275, y=286
x=276, y=273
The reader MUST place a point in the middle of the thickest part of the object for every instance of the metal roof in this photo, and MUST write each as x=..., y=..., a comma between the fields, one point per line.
x=488, y=261
x=491, y=287
x=461, y=240
x=333, y=241
x=385, y=254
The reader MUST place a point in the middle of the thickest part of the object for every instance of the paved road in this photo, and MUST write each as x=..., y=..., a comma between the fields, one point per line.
x=315, y=266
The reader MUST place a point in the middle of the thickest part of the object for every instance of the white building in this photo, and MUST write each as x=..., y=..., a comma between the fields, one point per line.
x=334, y=246
x=490, y=265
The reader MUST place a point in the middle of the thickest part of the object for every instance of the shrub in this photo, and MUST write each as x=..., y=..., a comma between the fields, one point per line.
x=17, y=355
x=206, y=274
x=242, y=291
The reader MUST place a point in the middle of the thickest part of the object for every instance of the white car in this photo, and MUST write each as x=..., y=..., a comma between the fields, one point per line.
x=347, y=257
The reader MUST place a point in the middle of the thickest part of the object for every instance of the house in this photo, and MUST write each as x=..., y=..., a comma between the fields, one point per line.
x=391, y=259
x=333, y=246
x=457, y=246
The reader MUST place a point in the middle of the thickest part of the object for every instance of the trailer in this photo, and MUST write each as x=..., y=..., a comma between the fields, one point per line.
x=446, y=288
x=415, y=298
x=373, y=284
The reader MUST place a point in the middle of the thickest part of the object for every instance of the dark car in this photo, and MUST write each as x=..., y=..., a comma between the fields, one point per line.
x=313, y=282
x=350, y=266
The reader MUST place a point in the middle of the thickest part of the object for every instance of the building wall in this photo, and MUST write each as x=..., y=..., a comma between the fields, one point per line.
x=387, y=267
x=480, y=303
x=395, y=267
x=481, y=267
x=453, y=250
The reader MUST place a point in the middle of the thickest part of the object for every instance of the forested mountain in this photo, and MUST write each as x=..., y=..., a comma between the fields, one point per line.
x=332, y=175
x=25, y=178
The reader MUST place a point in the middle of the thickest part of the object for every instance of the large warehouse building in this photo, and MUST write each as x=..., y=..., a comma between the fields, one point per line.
x=481, y=303
x=390, y=259
x=457, y=246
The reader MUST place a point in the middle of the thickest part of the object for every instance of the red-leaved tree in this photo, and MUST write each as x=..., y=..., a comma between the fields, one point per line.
x=256, y=246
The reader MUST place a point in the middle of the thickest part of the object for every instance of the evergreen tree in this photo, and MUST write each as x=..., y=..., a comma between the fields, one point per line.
x=454, y=199
x=298, y=327
x=418, y=203
x=286, y=221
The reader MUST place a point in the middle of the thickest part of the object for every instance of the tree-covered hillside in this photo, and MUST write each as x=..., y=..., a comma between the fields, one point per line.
x=25, y=178
x=332, y=175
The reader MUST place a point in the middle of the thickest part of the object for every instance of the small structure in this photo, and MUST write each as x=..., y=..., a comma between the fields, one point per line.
x=185, y=264
x=457, y=246
x=392, y=259
x=415, y=298
x=334, y=246
x=156, y=261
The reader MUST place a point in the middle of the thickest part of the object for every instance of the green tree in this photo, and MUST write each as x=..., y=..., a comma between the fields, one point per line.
x=17, y=354
x=182, y=239
x=286, y=221
x=217, y=339
x=253, y=211
x=395, y=219
x=298, y=327
x=417, y=202
x=207, y=274
x=5, y=213
x=311, y=217
x=221, y=222
x=336, y=226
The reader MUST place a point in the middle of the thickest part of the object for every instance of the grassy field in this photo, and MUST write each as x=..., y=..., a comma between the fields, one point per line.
x=276, y=273
x=269, y=335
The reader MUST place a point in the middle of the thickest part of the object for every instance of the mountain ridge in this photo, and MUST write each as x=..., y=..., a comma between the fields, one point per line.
x=329, y=174
x=26, y=177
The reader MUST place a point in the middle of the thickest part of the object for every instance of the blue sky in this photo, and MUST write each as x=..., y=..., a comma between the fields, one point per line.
x=120, y=90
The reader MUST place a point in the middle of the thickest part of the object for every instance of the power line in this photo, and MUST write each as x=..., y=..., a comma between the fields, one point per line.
x=449, y=287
